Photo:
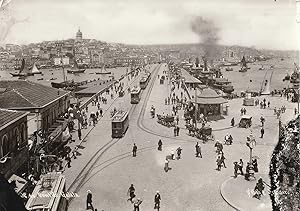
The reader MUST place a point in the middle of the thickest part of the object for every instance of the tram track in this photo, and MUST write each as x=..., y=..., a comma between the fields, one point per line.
x=80, y=180
x=141, y=125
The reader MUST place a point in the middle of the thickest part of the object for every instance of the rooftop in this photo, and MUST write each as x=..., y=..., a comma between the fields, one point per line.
x=7, y=117
x=210, y=96
x=119, y=115
x=188, y=78
x=27, y=94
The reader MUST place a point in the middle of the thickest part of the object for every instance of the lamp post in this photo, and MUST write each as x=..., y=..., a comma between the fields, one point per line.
x=251, y=143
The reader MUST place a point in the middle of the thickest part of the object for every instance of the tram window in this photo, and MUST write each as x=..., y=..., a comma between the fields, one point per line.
x=117, y=124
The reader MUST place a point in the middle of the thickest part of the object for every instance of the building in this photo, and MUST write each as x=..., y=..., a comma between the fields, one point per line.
x=209, y=103
x=13, y=141
x=47, y=126
x=58, y=61
x=78, y=35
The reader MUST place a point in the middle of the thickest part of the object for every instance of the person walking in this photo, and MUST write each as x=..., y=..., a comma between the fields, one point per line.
x=157, y=199
x=177, y=130
x=136, y=204
x=159, y=145
x=131, y=193
x=172, y=154
x=166, y=168
x=68, y=159
x=198, y=150
x=232, y=122
x=219, y=163
x=236, y=168
x=223, y=160
x=89, y=201
x=178, y=150
x=134, y=149
x=262, y=132
x=240, y=166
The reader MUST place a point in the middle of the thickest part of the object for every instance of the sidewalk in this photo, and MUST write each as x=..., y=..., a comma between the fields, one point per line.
x=238, y=193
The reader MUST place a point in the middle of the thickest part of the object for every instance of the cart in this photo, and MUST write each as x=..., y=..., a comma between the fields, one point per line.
x=246, y=121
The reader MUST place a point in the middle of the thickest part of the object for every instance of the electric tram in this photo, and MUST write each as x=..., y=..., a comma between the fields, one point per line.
x=49, y=194
x=120, y=124
x=145, y=80
x=135, y=95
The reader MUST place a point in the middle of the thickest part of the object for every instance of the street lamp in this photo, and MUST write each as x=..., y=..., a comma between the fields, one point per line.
x=251, y=143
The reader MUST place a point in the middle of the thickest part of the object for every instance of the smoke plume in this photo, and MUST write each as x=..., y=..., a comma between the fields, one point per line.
x=208, y=34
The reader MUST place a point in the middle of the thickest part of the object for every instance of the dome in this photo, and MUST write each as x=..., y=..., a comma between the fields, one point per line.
x=79, y=35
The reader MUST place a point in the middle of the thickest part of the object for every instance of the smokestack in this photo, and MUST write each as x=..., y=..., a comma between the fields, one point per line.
x=197, y=62
x=205, y=63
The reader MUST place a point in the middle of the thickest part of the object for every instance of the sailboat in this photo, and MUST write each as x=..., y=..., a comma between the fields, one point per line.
x=103, y=71
x=35, y=70
x=76, y=69
x=244, y=67
x=23, y=71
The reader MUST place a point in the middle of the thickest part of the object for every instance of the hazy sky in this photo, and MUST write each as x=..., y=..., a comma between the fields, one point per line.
x=259, y=23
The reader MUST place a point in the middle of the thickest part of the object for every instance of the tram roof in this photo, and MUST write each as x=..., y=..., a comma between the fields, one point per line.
x=135, y=90
x=44, y=196
x=119, y=116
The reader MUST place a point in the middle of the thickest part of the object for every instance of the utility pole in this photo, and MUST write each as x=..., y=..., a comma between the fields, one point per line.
x=196, y=105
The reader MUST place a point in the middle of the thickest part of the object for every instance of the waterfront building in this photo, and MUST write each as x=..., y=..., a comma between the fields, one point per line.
x=209, y=103
x=13, y=141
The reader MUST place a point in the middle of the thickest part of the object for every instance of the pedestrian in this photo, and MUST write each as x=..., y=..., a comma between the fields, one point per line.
x=262, y=132
x=177, y=119
x=219, y=163
x=157, y=199
x=259, y=187
x=235, y=167
x=262, y=120
x=131, y=193
x=178, y=150
x=68, y=159
x=172, y=154
x=89, y=201
x=86, y=109
x=134, y=149
x=166, y=165
x=242, y=111
x=247, y=174
x=223, y=160
x=198, y=150
x=159, y=145
x=255, y=165
x=269, y=104
x=240, y=166
x=177, y=130
x=79, y=133
x=232, y=122
x=97, y=114
x=136, y=204
x=101, y=112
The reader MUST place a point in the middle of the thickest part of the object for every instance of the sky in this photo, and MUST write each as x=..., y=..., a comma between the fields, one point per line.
x=254, y=23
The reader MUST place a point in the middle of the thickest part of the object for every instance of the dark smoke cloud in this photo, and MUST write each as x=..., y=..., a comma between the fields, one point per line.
x=208, y=34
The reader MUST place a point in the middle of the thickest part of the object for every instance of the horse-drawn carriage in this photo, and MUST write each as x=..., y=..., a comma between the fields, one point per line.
x=166, y=120
x=246, y=121
x=204, y=133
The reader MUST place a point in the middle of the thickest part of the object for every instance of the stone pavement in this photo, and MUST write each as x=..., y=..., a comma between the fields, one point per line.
x=82, y=157
x=239, y=194
x=191, y=184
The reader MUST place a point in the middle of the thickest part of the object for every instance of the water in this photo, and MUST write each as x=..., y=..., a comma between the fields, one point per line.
x=89, y=74
x=241, y=81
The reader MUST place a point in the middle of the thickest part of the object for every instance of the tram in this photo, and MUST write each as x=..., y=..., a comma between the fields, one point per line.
x=49, y=194
x=145, y=80
x=135, y=95
x=120, y=124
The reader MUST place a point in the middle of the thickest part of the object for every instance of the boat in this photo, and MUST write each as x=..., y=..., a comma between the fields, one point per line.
x=103, y=71
x=295, y=77
x=35, y=70
x=52, y=79
x=65, y=84
x=40, y=79
x=24, y=72
x=229, y=69
x=223, y=84
x=261, y=68
x=244, y=67
x=74, y=71
x=287, y=77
